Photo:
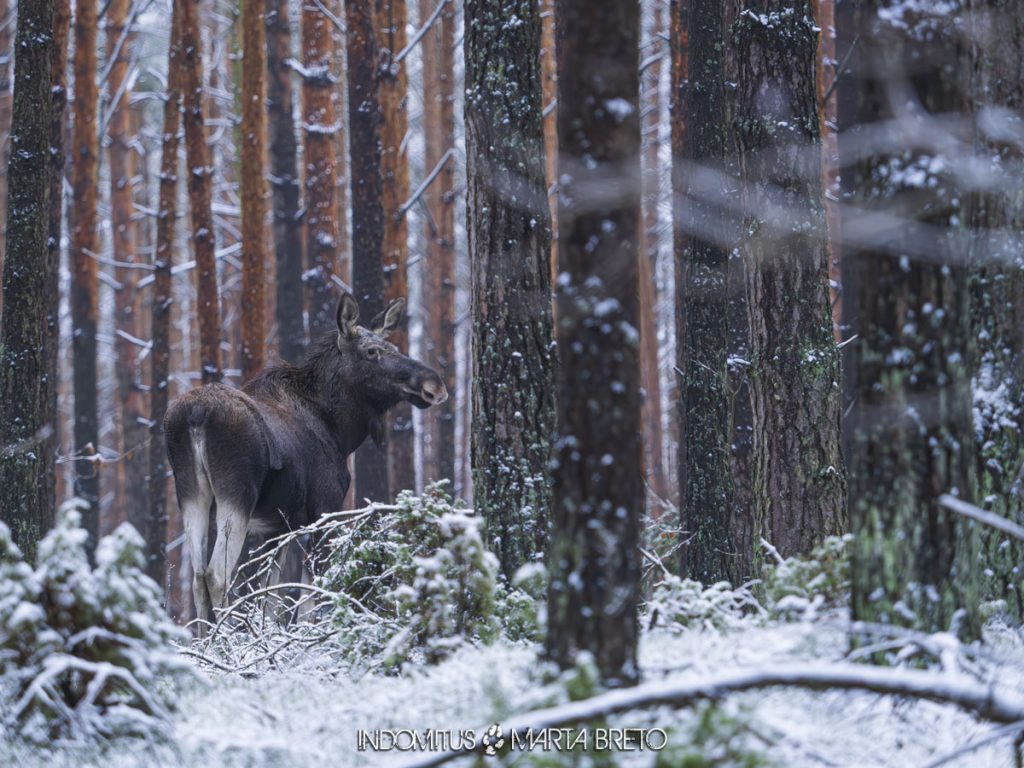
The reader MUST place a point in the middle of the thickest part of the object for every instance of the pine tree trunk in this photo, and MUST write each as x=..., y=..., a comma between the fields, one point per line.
x=439, y=277
x=996, y=220
x=828, y=125
x=799, y=486
x=84, y=272
x=318, y=138
x=284, y=176
x=509, y=247
x=200, y=192
x=598, y=486
x=29, y=289
x=391, y=37
x=701, y=139
x=155, y=528
x=55, y=217
x=651, y=121
x=907, y=300
x=253, y=188
x=549, y=88
x=364, y=120
x=127, y=303
x=343, y=259
x=7, y=28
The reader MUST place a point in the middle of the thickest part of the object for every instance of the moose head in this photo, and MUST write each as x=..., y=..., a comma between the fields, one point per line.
x=375, y=367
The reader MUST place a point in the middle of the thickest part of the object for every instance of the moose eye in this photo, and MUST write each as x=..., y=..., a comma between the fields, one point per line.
x=373, y=353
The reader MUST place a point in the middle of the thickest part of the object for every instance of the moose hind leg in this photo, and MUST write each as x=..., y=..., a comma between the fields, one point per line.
x=232, y=525
x=196, y=518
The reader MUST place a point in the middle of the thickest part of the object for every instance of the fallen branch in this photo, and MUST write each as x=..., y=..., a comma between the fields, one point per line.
x=982, y=516
x=982, y=700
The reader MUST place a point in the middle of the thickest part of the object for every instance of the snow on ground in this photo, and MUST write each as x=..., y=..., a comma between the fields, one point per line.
x=280, y=718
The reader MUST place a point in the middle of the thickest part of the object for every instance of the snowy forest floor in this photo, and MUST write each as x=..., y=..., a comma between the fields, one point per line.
x=311, y=717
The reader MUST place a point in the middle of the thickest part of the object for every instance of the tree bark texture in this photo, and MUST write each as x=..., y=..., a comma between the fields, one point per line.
x=7, y=31
x=439, y=224
x=55, y=216
x=84, y=271
x=284, y=174
x=702, y=141
x=995, y=31
x=29, y=288
x=650, y=77
x=254, y=188
x=907, y=300
x=127, y=303
x=598, y=484
x=371, y=476
x=509, y=247
x=549, y=88
x=155, y=530
x=318, y=123
x=391, y=18
x=200, y=193
x=827, y=75
x=799, y=485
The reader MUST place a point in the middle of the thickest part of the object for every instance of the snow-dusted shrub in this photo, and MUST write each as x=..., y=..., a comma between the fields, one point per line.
x=820, y=580
x=522, y=606
x=84, y=652
x=688, y=603
x=414, y=579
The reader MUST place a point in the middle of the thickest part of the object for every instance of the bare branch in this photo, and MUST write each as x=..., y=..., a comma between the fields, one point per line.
x=426, y=182
x=420, y=33
x=985, y=701
x=982, y=516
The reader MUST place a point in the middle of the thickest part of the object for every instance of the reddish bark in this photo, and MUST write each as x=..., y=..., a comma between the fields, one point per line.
x=200, y=193
x=254, y=192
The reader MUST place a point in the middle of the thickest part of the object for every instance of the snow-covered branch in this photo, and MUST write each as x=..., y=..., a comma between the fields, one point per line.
x=982, y=516
x=985, y=701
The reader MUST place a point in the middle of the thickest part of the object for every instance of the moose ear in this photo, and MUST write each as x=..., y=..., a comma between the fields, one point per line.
x=348, y=315
x=387, y=321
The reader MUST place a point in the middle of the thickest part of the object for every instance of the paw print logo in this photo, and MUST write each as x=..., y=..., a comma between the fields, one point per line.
x=493, y=740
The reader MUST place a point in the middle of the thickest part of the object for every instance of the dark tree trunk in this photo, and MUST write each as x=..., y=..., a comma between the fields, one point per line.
x=598, y=485
x=254, y=192
x=906, y=297
x=439, y=279
x=799, y=485
x=7, y=30
x=509, y=248
x=132, y=501
x=318, y=137
x=155, y=531
x=391, y=16
x=701, y=139
x=84, y=272
x=291, y=334
x=364, y=121
x=200, y=193
x=996, y=33
x=29, y=289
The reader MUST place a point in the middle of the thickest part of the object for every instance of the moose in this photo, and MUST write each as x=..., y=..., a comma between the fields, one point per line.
x=271, y=457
